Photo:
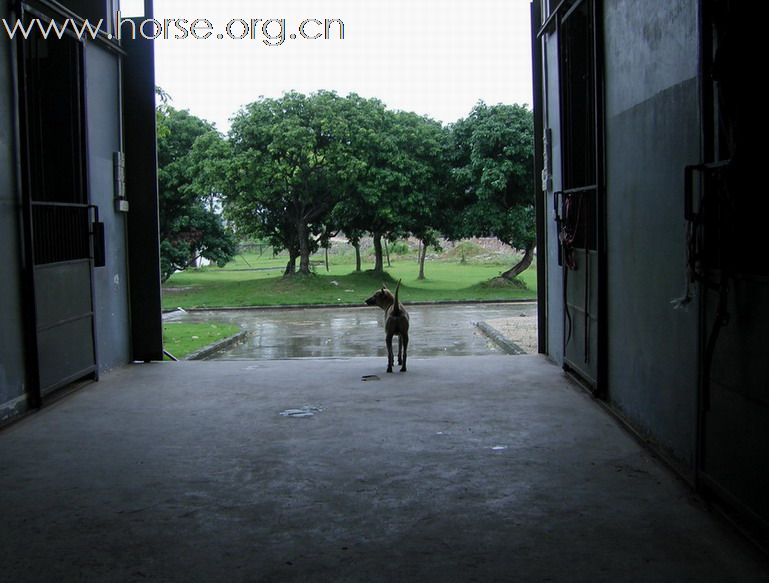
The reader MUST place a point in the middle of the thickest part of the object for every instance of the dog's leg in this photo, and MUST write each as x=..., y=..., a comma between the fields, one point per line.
x=389, y=342
x=400, y=350
x=405, y=338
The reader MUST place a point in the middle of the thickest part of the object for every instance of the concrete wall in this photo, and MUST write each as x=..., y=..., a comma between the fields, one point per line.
x=12, y=372
x=111, y=281
x=652, y=133
x=552, y=122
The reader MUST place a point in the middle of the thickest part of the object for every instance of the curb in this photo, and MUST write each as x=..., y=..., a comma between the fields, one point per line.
x=216, y=346
x=507, y=345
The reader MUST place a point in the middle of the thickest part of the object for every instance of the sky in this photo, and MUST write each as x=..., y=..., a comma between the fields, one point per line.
x=434, y=57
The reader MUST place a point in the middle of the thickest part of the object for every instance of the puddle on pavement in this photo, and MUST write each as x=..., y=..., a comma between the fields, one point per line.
x=445, y=330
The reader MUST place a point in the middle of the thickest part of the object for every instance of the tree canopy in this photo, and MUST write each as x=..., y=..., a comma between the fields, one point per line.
x=299, y=169
x=493, y=173
x=191, y=171
x=291, y=160
x=399, y=180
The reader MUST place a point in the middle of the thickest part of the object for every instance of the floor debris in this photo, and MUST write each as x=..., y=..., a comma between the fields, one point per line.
x=306, y=411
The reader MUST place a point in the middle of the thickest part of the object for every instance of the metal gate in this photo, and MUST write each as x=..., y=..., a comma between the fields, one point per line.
x=578, y=207
x=63, y=293
x=58, y=221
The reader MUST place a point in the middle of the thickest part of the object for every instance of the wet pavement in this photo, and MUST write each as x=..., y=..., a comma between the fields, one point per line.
x=436, y=330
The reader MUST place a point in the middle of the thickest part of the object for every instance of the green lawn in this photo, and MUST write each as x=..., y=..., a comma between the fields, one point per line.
x=237, y=285
x=181, y=339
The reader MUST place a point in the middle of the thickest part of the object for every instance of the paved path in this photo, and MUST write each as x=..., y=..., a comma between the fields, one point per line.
x=436, y=330
x=442, y=330
x=521, y=329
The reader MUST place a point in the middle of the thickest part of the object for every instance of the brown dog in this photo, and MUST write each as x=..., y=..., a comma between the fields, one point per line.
x=396, y=323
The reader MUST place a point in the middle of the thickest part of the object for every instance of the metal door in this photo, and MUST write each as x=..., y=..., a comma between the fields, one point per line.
x=58, y=219
x=63, y=293
x=578, y=205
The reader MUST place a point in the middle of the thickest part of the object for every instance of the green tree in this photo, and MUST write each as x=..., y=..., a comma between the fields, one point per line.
x=493, y=177
x=291, y=159
x=397, y=179
x=354, y=236
x=423, y=146
x=370, y=198
x=191, y=159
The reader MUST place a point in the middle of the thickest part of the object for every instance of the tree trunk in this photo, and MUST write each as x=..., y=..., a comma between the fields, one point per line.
x=522, y=265
x=291, y=265
x=422, y=255
x=304, y=250
x=387, y=253
x=326, y=259
x=378, y=263
x=356, y=246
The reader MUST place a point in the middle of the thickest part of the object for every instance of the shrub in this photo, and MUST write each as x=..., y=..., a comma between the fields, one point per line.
x=399, y=248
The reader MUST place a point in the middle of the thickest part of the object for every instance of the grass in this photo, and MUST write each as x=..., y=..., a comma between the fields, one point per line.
x=181, y=339
x=257, y=281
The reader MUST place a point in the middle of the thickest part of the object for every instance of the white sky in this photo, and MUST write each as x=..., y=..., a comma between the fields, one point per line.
x=434, y=57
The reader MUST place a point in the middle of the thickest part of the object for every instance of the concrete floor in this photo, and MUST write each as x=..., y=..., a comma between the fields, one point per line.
x=487, y=468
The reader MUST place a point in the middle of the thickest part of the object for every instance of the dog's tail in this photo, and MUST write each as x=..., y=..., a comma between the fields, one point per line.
x=396, y=306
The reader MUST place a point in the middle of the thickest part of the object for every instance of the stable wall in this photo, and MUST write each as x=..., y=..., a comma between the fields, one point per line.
x=652, y=133
x=12, y=371
x=552, y=125
x=110, y=283
x=104, y=138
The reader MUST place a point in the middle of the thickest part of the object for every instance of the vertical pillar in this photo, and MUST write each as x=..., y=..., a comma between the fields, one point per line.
x=142, y=193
